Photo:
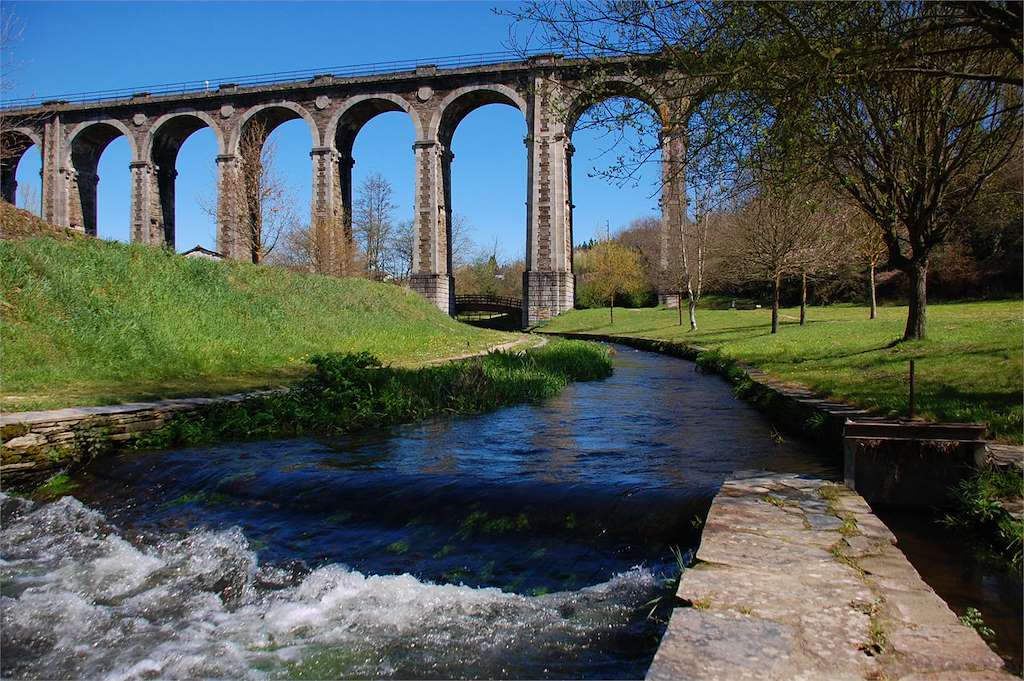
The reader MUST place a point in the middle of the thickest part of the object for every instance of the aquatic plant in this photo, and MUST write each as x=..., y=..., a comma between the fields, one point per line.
x=354, y=391
x=977, y=505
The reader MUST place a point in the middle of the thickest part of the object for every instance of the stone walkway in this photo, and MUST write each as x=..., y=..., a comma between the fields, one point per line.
x=797, y=579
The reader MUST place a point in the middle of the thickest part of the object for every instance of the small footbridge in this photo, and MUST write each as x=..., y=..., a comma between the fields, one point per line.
x=489, y=310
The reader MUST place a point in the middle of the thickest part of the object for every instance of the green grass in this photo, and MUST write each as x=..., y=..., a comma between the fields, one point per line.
x=89, y=322
x=968, y=370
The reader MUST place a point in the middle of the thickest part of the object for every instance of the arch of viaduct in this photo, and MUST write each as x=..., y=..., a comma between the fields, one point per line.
x=71, y=138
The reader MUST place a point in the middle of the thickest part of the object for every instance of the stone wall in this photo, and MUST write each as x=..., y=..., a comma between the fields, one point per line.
x=796, y=578
x=34, y=445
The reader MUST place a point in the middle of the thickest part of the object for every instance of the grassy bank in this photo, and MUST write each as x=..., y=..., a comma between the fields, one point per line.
x=88, y=322
x=353, y=392
x=969, y=370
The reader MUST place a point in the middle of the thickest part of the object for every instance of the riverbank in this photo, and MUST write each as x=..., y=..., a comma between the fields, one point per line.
x=970, y=370
x=90, y=322
x=797, y=578
x=343, y=393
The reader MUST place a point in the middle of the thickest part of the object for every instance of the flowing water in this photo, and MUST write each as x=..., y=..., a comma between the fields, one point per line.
x=530, y=542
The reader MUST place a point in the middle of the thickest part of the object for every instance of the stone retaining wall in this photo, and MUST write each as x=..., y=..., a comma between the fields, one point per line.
x=36, y=444
x=796, y=578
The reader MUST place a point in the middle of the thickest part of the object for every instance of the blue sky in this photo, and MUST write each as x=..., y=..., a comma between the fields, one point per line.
x=74, y=47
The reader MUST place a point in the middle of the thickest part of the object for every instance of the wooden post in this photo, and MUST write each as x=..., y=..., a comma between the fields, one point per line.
x=911, y=410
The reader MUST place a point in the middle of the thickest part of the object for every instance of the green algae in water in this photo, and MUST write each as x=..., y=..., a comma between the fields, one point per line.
x=57, y=486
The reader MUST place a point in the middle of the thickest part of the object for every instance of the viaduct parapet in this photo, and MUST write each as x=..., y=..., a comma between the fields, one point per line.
x=550, y=91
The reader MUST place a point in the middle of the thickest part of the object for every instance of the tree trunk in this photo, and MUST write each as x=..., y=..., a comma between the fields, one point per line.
x=917, y=315
x=775, y=304
x=611, y=310
x=871, y=284
x=679, y=304
x=803, y=298
x=693, y=314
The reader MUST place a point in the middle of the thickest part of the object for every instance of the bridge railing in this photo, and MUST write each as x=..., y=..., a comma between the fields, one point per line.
x=282, y=77
x=487, y=302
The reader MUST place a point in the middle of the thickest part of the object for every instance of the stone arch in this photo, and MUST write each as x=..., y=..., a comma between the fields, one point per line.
x=273, y=114
x=15, y=142
x=611, y=88
x=179, y=127
x=96, y=135
x=86, y=144
x=355, y=112
x=459, y=103
x=162, y=146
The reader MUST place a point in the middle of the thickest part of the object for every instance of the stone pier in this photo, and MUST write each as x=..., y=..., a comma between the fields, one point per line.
x=797, y=579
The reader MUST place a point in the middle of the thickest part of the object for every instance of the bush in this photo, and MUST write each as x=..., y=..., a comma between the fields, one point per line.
x=354, y=391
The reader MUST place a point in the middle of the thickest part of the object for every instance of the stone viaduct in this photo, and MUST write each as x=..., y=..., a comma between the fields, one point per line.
x=547, y=89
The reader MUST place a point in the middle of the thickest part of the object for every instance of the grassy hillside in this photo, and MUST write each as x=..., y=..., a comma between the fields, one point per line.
x=16, y=223
x=94, y=322
x=969, y=369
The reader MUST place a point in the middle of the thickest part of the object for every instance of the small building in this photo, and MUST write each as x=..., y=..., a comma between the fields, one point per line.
x=200, y=252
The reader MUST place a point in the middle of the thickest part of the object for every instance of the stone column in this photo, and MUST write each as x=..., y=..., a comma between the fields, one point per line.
x=673, y=210
x=344, y=190
x=548, y=283
x=431, y=261
x=82, y=186
x=332, y=235
x=147, y=227
x=229, y=242
x=56, y=172
x=163, y=232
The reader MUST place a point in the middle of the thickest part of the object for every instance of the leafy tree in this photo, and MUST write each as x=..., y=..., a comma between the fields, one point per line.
x=616, y=271
x=907, y=107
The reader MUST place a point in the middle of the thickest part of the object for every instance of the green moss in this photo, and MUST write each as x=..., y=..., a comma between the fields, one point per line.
x=398, y=548
x=57, y=486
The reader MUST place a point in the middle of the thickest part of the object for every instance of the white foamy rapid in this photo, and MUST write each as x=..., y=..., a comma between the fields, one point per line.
x=81, y=601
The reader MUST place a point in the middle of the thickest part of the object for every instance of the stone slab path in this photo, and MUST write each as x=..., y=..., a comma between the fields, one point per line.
x=796, y=578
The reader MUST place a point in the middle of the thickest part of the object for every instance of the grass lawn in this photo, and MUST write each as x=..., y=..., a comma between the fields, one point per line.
x=88, y=322
x=971, y=368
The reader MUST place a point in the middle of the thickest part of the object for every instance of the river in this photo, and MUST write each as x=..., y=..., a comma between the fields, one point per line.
x=537, y=541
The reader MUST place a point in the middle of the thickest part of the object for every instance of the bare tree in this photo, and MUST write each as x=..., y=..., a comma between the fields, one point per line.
x=464, y=250
x=693, y=256
x=259, y=203
x=772, y=238
x=400, y=252
x=28, y=198
x=372, y=223
x=871, y=249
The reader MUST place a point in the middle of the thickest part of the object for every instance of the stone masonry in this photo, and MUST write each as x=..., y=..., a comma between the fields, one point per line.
x=797, y=579
x=72, y=137
x=34, y=445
